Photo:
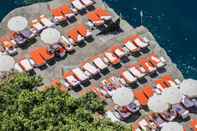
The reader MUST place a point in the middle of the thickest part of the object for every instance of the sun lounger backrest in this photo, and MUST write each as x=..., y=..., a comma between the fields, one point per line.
x=141, y=97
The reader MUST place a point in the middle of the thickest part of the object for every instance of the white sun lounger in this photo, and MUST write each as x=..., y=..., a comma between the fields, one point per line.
x=78, y=5
x=143, y=124
x=99, y=63
x=157, y=61
x=150, y=68
x=90, y=68
x=26, y=65
x=111, y=57
x=45, y=21
x=131, y=46
x=80, y=38
x=37, y=25
x=72, y=80
x=128, y=77
x=18, y=68
x=140, y=43
x=160, y=87
x=69, y=45
x=87, y=2
x=80, y=74
x=112, y=117
x=120, y=53
x=136, y=72
x=145, y=39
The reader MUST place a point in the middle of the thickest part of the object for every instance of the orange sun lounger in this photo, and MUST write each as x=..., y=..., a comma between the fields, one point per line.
x=103, y=14
x=156, y=61
x=147, y=65
x=194, y=124
x=139, y=94
x=168, y=80
x=130, y=45
x=114, y=60
x=67, y=11
x=36, y=57
x=95, y=19
x=45, y=54
x=57, y=14
x=118, y=51
x=75, y=37
x=148, y=91
x=59, y=85
x=84, y=31
x=160, y=84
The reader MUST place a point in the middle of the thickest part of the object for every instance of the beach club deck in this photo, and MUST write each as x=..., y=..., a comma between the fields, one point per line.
x=62, y=41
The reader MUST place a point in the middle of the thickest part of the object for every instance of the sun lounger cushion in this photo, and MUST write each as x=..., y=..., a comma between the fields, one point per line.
x=90, y=68
x=84, y=31
x=45, y=54
x=103, y=14
x=80, y=74
x=99, y=63
x=77, y=4
x=36, y=57
x=128, y=77
x=92, y=16
x=141, y=97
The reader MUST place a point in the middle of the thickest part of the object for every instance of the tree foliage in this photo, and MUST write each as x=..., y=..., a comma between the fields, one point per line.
x=22, y=109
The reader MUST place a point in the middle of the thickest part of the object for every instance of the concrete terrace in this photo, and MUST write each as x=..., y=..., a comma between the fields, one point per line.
x=90, y=48
x=83, y=52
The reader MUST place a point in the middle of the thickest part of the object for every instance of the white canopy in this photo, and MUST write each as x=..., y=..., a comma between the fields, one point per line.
x=172, y=95
x=17, y=23
x=157, y=104
x=189, y=87
x=6, y=63
x=50, y=36
x=172, y=126
x=122, y=96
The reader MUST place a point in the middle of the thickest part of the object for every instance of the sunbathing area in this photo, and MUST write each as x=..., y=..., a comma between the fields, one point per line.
x=77, y=46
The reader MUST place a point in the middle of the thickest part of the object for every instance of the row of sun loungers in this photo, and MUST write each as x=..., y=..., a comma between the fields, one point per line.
x=123, y=113
x=99, y=16
x=24, y=65
x=8, y=46
x=62, y=13
x=134, y=43
x=139, y=70
x=142, y=95
x=102, y=62
x=42, y=23
x=166, y=82
x=65, y=12
x=38, y=57
x=79, y=5
x=78, y=34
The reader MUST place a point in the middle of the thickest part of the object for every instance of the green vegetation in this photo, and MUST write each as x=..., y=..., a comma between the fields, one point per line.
x=22, y=109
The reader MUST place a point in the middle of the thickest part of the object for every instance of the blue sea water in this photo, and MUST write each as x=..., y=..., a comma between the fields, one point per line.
x=173, y=23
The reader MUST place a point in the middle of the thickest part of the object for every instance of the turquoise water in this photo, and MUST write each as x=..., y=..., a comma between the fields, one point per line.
x=173, y=23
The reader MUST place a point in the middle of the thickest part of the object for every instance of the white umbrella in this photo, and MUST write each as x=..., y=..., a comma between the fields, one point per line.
x=6, y=63
x=123, y=96
x=189, y=87
x=172, y=95
x=157, y=104
x=50, y=36
x=172, y=126
x=17, y=23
